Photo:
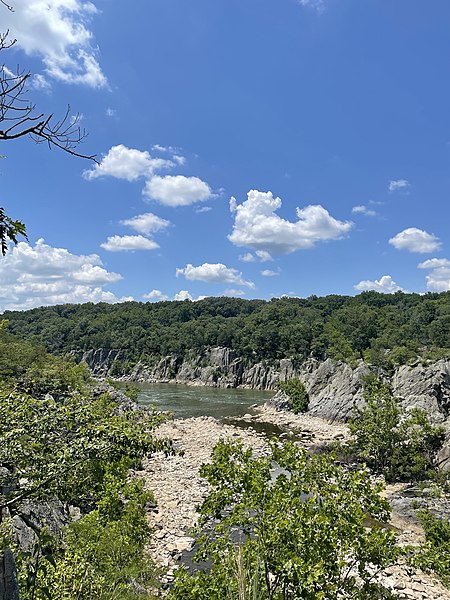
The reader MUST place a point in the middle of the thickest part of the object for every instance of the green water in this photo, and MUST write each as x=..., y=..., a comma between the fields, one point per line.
x=192, y=401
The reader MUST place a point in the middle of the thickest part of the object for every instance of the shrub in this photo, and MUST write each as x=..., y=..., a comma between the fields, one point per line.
x=400, y=446
x=297, y=393
x=302, y=535
x=434, y=555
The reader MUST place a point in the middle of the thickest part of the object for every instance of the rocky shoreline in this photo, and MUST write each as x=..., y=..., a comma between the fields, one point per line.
x=178, y=489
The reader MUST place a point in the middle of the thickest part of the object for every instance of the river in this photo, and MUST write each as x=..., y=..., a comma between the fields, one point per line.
x=194, y=401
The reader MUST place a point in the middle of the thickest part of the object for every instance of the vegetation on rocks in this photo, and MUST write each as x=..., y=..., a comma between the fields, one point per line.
x=63, y=440
x=302, y=533
x=400, y=446
x=297, y=394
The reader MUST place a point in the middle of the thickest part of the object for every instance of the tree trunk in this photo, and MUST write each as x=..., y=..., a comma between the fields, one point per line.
x=9, y=587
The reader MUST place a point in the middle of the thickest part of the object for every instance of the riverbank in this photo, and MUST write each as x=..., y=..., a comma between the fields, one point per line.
x=178, y=489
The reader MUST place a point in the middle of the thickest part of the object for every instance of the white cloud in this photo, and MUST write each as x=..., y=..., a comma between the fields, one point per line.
x=247, y=257
x=110, y=112
x=363, y=210
x=40, y=82
x=233, y=293
x=213, y=273
x=156, y=296
x=399, y=184
x=183, y=295
x=258, y=226
x=127, y=163
x=180, y=160
x=146, y=223
x=260, y=255
x=117, y=243
x=415, y=240
x=269, y=273
x=263, y=255
x=177, y=190
x=57, y=31
x=42, y=275
x=203, y=209
x=384, y=285
x=434, y=263
x=439, y=278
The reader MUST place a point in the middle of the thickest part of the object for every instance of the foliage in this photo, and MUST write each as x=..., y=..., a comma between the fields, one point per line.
x=9, y=230
x=402, y=447
x=297, y=393
x=434, y=555
x=302, y=534
x=65, y=448
x=103, y=553
x=386, y=329
x=69, y=441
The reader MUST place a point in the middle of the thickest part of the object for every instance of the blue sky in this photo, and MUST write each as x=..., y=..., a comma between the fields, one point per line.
x=250, y=148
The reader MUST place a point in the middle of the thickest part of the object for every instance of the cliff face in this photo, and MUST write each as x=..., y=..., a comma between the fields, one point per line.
x=333, y=386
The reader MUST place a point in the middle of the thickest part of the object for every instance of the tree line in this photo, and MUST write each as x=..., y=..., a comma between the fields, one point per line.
x=385, y=330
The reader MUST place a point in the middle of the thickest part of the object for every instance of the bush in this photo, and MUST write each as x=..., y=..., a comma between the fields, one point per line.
x=302, y=535
x=297, y=393
x=434, y=555
x=400, y=446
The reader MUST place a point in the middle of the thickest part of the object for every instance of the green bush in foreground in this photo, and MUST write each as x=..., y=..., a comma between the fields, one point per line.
x=297, y=393
x=400, y=446
x=303, y=534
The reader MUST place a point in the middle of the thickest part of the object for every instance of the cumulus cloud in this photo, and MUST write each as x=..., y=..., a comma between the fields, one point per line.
x=183, y=295
x=203, y=209
x=258, y=226
x=415, y=240
x=119, y=243
x=269, y=273
x=58, y=32
x=42, y=275
x=363, y=210
x=438, y=279
x=146, y=223
x=384, y=285
x=156, y=296
x=214, y=273
x=399, y=184
x=177, y=190
x=434, y=263
x=127, y=163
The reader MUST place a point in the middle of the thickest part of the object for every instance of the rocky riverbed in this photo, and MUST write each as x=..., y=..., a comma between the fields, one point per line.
x=178, y=489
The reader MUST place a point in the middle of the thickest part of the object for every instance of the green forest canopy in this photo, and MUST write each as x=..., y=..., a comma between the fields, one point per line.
x=383, y=329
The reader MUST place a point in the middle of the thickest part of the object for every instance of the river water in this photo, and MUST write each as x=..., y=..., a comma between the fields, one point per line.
x=194, y=401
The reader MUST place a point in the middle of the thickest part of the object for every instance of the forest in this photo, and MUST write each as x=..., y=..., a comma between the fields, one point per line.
x=385, y=330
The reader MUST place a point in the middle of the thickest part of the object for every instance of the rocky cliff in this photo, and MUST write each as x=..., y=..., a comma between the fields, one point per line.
x=333, y=386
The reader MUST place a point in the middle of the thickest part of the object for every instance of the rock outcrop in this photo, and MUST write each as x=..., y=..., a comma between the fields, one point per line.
x=333, y=386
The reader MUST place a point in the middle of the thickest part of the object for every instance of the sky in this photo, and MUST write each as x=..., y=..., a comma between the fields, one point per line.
x=247, y=148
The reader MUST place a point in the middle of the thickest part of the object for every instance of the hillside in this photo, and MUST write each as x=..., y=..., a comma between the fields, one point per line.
x=385, y=330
